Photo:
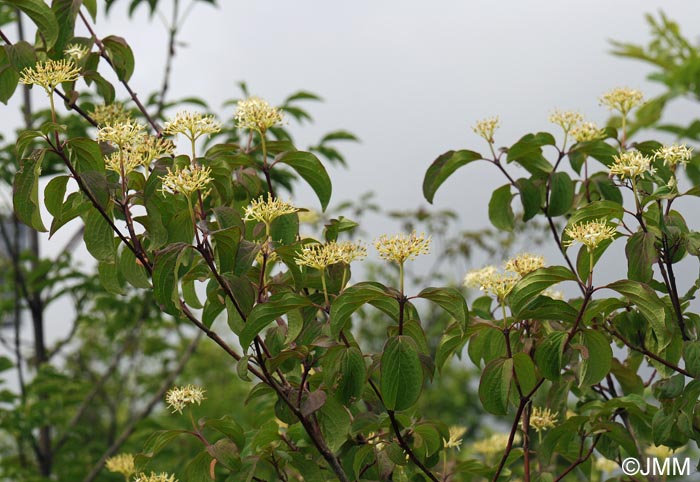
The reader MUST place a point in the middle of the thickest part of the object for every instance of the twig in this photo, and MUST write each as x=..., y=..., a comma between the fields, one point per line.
x=105, y=55
x=648, y=353
x=172, y=35
x=403, y=444
x=581, y=459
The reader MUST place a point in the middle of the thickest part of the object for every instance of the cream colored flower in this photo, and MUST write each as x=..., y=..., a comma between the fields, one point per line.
x=350, y=251
x=162, y=477
x=121, y=464
x=587, y=131
x=495, y=444
x=490, y=281
x=256, y=114
x=121, y=134
x=75, y=52
x=524, y=263
x=192, y=125
x=308, y=216
x=622, y=99
x=486, y=128
x=565, y=119
x=402, y=247
x=456, y=434
x=659, y=451
x=631, y=164
x=114, y=113
x=141, y=153
x=674, y=154
x=49, y=74
x=590, y=234
x=605, y=465
x=178, y=398
x=266, y=211
x=186, y=180
x=554, y=294
x=477, y=278
x=542, y=419
x=318, y=256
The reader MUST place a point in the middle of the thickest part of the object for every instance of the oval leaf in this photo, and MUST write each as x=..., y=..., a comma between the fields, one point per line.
x=401, y=373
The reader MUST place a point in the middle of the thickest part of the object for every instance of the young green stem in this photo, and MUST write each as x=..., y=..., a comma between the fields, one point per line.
x=325, y=289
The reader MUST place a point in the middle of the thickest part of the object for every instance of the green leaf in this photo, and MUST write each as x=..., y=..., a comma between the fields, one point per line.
x=227, y=426
x=401, y=379
x=197, y=469
x=165, y=277
x=532, y=284
x=334, y=421
x=99, y=237
x=21, y=55
x=350, y=300
x=42, y=16
x=597, y=361
x=121, y=56
x=500, y=210
x=353, y=375
x=641, y=256
x=91, y=7
x=226, y=247
x=25, y=195
x=449, y=299
x=648, y=304
x=494, y=386
x=65, y=12
x=443, y=167
x=337, y=226
x=54, y=193
x=451, y=343
x=312, y=171
x=691, y=356
x=525, y=371
x=528, y=152
x=561, y=195
x=132, y=269
x=549, y=354
x=531, y=198
x=109, y=278
x=262, y=314
x=599, y=150
x=607, y=210
x=8, y=77
x=157, y=441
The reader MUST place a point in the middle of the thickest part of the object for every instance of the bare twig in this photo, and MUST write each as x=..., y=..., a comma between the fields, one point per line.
x=105, y=55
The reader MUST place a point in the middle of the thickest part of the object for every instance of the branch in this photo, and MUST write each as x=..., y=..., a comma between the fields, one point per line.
x=105, y=55
x=648, y=353
x=83, y=187
x=514, y=428
x=172, y=34
x=409, y=452
x=131, y=426
x=581, y=458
